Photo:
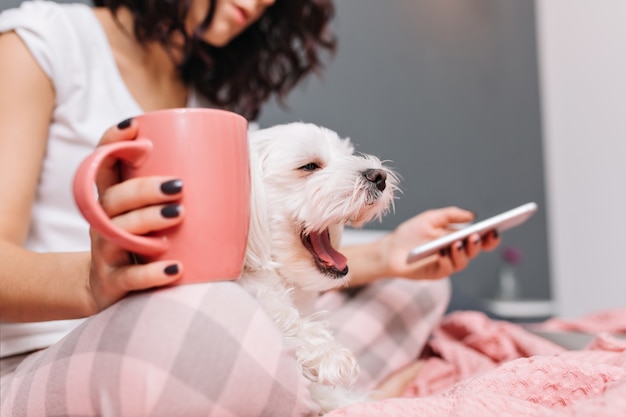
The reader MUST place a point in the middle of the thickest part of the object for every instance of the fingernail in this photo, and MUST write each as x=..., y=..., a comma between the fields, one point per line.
x=171, y=270
x=171, y=211
x=459, y=246
x=476, y=240
x=124, y=124
x=172, y=187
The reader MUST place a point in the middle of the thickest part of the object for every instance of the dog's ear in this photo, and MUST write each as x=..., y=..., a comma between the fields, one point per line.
x=258, y=252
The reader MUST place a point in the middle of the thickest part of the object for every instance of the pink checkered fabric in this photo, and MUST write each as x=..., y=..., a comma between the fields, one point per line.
x=386, y=324
x=210, y=350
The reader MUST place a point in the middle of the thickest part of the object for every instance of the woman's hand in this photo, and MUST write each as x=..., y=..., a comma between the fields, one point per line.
x=426, y=227
x=138, y=206
x=386, y=258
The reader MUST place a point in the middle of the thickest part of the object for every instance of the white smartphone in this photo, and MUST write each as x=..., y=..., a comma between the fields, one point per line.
x=499, y=222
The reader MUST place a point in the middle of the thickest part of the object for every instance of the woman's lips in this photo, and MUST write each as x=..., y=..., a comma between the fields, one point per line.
x=241, y=15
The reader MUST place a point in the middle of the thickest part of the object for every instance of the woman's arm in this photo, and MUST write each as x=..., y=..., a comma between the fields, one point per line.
x=48, y=286
x=26, y=105
x=386, y=257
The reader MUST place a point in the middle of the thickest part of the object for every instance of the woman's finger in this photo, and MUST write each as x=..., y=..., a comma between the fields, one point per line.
x=141, y=277
x=491, y=240
x=449, y=215
x=109, y=172
x=473, y=245
x=124, y=130
x=458, y=256
x=112, y=284
x=150, y=219
x=140, y=192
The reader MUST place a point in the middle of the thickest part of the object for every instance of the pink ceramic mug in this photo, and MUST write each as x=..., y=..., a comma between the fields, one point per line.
x=208, y=150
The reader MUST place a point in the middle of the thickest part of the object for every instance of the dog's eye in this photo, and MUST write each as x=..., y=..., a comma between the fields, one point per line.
x=311, y=166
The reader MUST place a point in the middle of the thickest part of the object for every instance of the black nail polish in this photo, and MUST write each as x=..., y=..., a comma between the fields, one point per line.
x=172, y=187
x=171, y=211
x=171, y=270
x=124, y=124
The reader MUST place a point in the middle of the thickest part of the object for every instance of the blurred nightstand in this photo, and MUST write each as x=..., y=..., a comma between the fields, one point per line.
x=520, y=310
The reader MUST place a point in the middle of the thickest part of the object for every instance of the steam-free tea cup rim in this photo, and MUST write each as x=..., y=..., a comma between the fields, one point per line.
x=183, y=110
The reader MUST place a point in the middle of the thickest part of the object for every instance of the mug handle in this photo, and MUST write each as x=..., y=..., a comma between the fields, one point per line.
x=133, y=152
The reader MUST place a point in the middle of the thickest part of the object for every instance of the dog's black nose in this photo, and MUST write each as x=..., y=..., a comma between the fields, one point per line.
x=378, y=177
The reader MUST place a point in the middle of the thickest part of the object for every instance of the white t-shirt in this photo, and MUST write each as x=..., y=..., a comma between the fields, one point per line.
x=72, y=49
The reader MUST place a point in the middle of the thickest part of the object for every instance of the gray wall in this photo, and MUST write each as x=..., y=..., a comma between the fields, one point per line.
x=448, y=91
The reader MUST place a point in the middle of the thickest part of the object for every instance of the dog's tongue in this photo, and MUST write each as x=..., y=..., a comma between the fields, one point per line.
x=327, y=254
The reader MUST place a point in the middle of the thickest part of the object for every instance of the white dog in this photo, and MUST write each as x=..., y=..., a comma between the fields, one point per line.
x=308, y=184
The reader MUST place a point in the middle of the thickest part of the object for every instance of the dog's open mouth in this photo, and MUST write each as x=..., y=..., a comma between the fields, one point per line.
x=327, y=259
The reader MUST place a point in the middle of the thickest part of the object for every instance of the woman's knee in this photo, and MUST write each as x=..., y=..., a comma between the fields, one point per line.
x=203, y=349
x=213, y=347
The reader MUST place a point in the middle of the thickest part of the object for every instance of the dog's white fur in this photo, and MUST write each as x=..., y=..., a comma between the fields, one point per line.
x=305, y=180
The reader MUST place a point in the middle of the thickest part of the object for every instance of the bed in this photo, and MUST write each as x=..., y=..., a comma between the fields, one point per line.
x=475, y=365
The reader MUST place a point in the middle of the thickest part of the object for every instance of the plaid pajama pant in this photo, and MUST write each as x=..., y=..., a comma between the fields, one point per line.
x=210, y=350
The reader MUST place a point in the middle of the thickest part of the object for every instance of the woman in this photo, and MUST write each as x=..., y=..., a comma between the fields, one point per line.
x=68, y=73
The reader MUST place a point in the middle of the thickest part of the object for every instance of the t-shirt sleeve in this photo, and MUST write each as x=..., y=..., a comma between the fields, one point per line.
x=42, y=27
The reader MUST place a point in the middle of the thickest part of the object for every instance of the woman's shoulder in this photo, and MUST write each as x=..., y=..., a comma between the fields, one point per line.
x=56, y=34
x=45, y=19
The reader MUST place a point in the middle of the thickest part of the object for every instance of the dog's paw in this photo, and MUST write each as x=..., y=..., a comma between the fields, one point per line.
x=338, y=367
x=334, y=366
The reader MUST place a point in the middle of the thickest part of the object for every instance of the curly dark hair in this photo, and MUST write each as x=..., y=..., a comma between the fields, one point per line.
x=269, y=57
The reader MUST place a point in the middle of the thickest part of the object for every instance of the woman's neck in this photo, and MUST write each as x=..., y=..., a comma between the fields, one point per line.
x=148, y=70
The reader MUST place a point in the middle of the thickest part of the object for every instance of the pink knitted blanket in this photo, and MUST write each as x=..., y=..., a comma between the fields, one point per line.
x=478, y=367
